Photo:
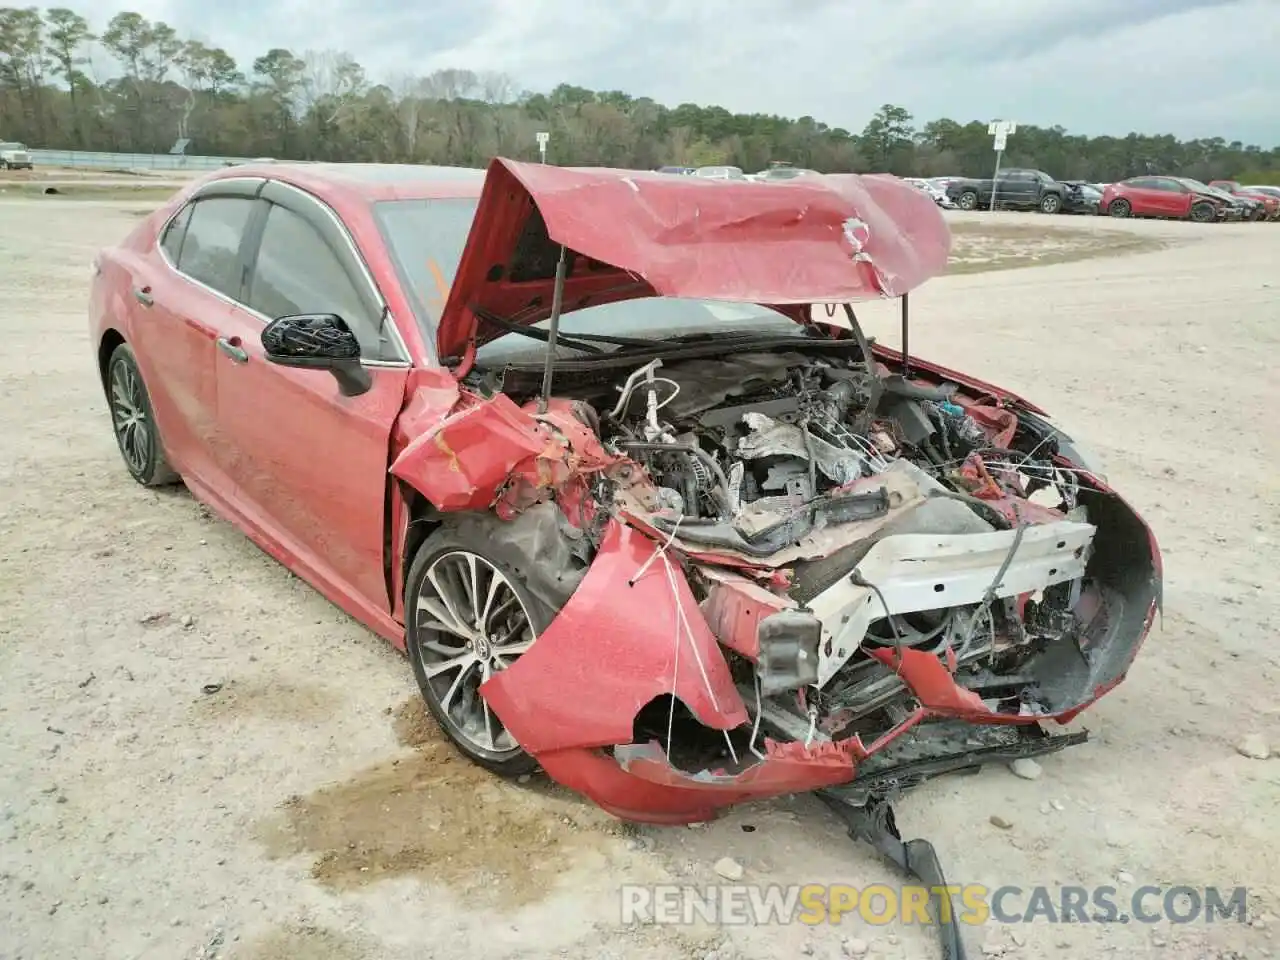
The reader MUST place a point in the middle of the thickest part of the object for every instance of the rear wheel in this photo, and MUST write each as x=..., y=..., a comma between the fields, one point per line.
x=1204, y=213
x=968, y=200
x=467, y=617
x=134, y=421
x=1120, y=208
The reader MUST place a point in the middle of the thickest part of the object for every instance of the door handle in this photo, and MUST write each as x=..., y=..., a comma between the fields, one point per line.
x=143, y=296
x=233, y=349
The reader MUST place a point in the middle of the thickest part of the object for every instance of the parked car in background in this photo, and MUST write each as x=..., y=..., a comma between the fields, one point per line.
x=720, y=173
x=783, y=174
x=1169, y=197
x=15, y=156
x=1014, y=189
x=684, y=171
x=1270, y=202
x=938, y=194
x=1081, y=197
x=1264, y=189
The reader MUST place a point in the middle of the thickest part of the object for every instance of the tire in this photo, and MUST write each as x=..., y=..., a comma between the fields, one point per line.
x=133, y=421
x=1258, y=216
x=968, y=200
x=1119, y=208
x=455, y=554
x=1051, y=203
x=1203, y=213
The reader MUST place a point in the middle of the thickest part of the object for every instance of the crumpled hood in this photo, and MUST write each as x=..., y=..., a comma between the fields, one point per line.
x=632, y=234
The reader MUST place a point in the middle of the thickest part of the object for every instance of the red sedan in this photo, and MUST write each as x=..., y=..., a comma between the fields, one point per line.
x=586, y=445
x=1173, y=197
x=1270, y=200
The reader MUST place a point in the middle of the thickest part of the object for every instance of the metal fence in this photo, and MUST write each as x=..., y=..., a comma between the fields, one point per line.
x=129, y=161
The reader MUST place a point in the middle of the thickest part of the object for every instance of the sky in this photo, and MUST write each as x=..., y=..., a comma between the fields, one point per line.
x=1193, y=68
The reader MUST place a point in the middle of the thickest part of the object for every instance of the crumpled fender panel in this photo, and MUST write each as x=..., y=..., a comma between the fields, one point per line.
x=490, y=453
x=610, y=651
x=650, y=790
x=462, y=462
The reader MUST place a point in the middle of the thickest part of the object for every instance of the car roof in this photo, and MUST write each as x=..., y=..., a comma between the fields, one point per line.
x=368, y=182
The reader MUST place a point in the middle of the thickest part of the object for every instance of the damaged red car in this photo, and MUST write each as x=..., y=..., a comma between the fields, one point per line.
x=611, y=457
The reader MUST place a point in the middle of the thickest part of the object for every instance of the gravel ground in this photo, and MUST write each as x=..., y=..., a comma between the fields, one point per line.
x=301, y=808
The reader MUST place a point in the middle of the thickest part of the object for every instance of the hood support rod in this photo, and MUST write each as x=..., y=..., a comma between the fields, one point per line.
x=906, y=352
x=553, y=331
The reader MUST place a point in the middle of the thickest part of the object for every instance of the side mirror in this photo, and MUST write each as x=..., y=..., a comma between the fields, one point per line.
x=319, y=341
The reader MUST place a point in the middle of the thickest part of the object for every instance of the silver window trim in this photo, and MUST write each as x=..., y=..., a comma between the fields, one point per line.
x=196, y=198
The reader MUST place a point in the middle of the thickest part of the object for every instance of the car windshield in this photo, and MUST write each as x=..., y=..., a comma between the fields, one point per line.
x=1269, y=191
x=425, y=239
x=652, y=318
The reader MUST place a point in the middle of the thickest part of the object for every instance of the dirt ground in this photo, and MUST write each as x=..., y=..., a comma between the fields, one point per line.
x=202, y=758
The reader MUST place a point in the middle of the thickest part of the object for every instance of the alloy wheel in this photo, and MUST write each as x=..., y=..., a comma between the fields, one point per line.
x=129, y=417
x=472, y=624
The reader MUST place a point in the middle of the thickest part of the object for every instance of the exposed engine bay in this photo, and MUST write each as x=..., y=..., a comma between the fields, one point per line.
x=876, y=519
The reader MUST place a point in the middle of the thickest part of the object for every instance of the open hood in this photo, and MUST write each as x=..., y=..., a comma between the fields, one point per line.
x=634, y=234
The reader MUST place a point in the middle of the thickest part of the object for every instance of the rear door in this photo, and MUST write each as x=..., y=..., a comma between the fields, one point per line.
x=310, y=465
x=177, y=310
x=1143, y=196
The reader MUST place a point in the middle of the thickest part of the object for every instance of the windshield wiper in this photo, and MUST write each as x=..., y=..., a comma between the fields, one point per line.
x=586, y=342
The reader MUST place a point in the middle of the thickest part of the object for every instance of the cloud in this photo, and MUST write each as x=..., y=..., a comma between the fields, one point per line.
x=1187, y=67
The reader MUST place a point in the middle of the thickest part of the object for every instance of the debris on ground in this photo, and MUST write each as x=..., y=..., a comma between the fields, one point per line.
x=1001, y=822
x=728, y=868
x=1254, y=746
x=1026, y=768
x=854, y=947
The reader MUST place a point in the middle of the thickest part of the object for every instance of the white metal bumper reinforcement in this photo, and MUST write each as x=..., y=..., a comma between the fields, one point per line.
x=920, y=571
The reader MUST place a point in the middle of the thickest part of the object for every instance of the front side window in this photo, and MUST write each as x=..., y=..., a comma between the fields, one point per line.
x=296, y=271
x=210, y=248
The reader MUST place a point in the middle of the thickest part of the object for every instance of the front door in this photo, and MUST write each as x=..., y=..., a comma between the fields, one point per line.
x=310, y=465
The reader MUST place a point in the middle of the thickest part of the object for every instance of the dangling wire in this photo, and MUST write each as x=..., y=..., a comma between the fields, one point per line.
x=682, y=626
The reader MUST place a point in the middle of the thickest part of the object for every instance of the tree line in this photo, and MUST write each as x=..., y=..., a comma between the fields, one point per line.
x=137, y=86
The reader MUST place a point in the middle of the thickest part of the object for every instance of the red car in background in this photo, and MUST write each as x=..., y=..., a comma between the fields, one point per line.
x=1173, y=197
x=1270, y=201
x=731, y=550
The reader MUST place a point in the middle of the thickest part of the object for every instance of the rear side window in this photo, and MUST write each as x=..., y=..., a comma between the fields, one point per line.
x=298, y=272
x=171, y=242
x=211, y=247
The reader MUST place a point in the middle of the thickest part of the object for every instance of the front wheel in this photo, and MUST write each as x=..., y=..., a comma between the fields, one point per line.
x=1050, y=203
x=467, y=617
x=1204, y=213
x=133, y=420
x=968, y=200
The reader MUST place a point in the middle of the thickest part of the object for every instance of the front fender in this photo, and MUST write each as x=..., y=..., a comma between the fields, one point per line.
x=614, y=647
